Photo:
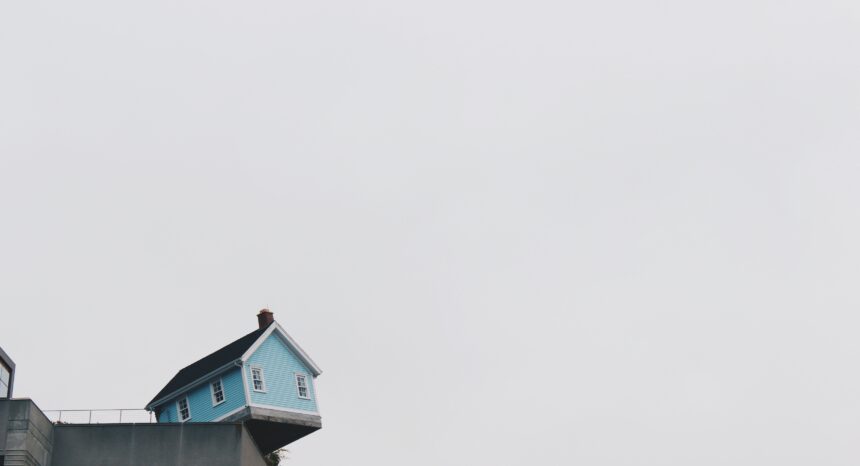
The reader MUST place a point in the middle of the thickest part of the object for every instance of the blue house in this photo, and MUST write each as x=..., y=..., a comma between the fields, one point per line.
x=263, y=379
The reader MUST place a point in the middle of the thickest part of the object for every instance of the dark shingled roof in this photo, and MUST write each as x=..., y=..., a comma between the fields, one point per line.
x=210, y=363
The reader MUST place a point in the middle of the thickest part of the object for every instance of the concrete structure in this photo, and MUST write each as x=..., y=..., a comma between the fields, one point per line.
x=273, y=429
x=211, y=444
x=26, y=434
x=28, y=438
x=264, y=379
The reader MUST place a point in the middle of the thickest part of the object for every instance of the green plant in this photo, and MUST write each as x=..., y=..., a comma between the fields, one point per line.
x=276, y=457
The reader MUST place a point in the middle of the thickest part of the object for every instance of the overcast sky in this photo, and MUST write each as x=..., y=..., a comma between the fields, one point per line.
x=546, y=232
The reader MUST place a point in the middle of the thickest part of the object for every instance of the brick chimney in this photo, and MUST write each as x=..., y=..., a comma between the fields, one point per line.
x=265, y=317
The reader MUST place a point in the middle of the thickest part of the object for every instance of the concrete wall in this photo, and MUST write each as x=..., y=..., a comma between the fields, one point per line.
x=154, y=444
x=28, y=438
x=279, y=365
x=26, y=434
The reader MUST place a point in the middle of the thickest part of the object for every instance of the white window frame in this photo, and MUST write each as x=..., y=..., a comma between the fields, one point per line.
x=262, y=380
x=4, y=386
x=179, y=409
x=220, y=382
x=307, y=386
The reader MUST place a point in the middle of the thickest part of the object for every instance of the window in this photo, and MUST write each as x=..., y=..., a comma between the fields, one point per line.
x=217, y=392
x=4, y=381
x=183, y=409
x=302, y=385
x=257, y=377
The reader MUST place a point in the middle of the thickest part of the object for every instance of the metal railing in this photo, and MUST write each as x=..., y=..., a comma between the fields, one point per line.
x=100, y=416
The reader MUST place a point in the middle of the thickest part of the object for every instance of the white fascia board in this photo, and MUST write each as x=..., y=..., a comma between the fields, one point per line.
x=242, y=366
x=276, y=327
x=257, y=343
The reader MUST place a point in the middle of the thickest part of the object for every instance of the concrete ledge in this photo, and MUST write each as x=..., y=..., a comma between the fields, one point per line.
x=275, y=415
x=273, y=428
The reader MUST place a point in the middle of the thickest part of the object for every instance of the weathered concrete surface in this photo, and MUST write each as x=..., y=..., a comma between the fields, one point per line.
x=193, y=444
x=27, y=434
x=273, y=429
x=28, y=438
x=4, y=424
x=251, y=455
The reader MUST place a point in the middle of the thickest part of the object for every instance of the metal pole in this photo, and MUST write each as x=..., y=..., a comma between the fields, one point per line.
x=91, y=417
x=61, y=417
x=120, y=416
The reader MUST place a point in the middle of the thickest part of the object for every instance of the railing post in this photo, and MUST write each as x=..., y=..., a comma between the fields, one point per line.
x=91, y=417
x=60, y=419
x=120, y=416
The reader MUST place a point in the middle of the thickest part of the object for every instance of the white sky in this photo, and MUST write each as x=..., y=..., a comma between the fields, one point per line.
x=545, y=232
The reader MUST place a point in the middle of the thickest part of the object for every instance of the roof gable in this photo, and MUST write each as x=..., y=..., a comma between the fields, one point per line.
x=291, y=344
x=209, y=364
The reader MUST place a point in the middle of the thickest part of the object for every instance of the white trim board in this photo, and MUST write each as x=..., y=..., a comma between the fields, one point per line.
x=315, y=370
x=242, y=367
x=274, y=408
x=316, y=396
x=287, y=410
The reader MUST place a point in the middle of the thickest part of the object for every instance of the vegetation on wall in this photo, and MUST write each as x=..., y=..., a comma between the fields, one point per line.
x=276, y=457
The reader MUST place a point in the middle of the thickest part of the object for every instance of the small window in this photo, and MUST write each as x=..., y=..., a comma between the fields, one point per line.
x=217, y=392
x=5, y=376
x=302, y=385
x=257, y=377
x=184, y=410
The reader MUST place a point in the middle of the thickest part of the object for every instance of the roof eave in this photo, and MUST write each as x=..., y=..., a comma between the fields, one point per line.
x=152, y=404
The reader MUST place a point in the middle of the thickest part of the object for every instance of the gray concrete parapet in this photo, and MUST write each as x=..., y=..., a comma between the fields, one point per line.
x=26, y=434
x=192, y=444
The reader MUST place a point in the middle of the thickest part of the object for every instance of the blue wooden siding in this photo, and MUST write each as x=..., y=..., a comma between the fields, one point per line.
x=279, y=365
x=200, y=399
x=168, y=413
